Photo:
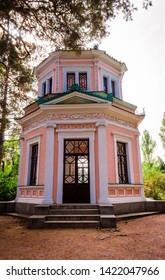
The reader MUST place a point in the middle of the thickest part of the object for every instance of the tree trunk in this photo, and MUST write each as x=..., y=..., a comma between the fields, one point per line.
x=3, y=124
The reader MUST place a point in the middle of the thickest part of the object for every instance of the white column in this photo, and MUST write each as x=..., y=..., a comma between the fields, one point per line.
x=20, y=164
x=60, y=169
x=102, y=153
x=140, y=166
x=57, y=76
x=49, y=164
x=20, y=160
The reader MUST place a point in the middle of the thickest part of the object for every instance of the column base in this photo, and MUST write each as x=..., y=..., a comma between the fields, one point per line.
x=47, y=201
x=104, y=201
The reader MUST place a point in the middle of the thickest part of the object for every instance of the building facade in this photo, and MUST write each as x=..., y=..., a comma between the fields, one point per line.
x=80, y=139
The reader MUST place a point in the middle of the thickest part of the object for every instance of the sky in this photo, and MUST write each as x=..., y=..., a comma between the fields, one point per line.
x=140, y=43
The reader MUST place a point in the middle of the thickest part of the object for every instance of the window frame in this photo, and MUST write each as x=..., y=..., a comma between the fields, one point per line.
x=33, y=171
x=30, y=142
x=123, y=162
x=46, y=80
x=83, y=73
x=113, y=88
x=77, y=70
x=107, y=83
x=130, y=170
x=67, y=77
x=110, y=78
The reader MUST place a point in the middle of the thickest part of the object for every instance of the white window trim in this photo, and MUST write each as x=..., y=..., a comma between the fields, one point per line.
x=110, y=77
x=46, y=79
x=128, y=142
x=76, y=70
x=76, y=134
x=30, y=142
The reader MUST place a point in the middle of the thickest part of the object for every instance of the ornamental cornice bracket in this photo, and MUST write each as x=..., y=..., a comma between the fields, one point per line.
x=50, y=125
x=101, y=123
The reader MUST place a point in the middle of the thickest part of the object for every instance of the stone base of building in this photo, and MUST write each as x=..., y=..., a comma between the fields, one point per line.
x=80, y=215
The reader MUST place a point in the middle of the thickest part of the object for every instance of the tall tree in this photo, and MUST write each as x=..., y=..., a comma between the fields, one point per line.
x=162, y=132
x=26, y=23
x=148, y=145
x=15, y=80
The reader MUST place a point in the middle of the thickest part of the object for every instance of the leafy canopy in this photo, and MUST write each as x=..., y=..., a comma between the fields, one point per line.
x=68, y=23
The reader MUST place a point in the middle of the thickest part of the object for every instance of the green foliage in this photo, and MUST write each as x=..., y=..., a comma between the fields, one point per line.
x=9, y=173
x=154, y=181
x=147, y=145
x=153, y=170
x=8, y=181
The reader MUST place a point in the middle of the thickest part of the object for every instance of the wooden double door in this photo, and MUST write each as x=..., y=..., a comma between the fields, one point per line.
x=76, y=188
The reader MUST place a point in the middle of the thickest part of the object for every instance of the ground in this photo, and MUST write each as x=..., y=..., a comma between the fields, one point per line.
x=140, y=239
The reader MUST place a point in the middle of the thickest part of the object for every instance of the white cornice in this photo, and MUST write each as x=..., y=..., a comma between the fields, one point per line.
x=28, y=117
x=85, y=55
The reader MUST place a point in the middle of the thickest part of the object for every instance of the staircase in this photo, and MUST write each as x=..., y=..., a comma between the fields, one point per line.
x=66, y=216
x=83, y=215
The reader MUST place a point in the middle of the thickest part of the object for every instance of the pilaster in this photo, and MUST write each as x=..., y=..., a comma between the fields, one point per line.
x=96, y=73
x=49, y=163
x=21, y=157
x=102, y=154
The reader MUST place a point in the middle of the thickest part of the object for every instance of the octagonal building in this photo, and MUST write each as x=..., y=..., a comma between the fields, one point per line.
x=80, y=139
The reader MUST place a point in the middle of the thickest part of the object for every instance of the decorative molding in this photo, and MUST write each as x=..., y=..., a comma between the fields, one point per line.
x=90, y=116
x=101, y=123
x=77, y=117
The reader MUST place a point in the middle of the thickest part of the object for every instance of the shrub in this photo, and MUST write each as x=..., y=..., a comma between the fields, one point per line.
x=154, y=182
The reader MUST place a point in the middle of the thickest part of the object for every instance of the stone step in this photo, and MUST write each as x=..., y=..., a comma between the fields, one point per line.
x=74, y=217
x=74, y=206
x=69, y=211
x=135, y=215
x=71, y=224
x=18, y=215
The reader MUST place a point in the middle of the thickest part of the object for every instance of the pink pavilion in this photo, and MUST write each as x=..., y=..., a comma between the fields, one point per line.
x=80, y=139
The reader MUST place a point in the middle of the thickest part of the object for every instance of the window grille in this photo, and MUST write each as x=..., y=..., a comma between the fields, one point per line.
x=122, y=163
x=34, y=160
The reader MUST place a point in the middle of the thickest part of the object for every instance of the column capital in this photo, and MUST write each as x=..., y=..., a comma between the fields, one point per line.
x=22, y=136
x=101, y=123
x=50, y=125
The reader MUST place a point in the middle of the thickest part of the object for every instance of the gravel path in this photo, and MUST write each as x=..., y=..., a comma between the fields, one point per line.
x=139, y=239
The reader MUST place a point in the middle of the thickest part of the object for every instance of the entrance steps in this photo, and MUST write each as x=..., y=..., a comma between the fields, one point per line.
x=79, y=216
x=66, y=216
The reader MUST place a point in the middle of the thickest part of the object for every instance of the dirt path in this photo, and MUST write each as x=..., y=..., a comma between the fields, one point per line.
x=143, y=238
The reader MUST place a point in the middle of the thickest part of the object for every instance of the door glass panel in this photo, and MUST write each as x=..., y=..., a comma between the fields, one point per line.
x=82, y=169
x=76, y=146
x=69, y=170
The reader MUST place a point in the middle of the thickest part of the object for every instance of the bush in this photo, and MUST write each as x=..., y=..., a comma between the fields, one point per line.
x=8, y=182
x=154, y=182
